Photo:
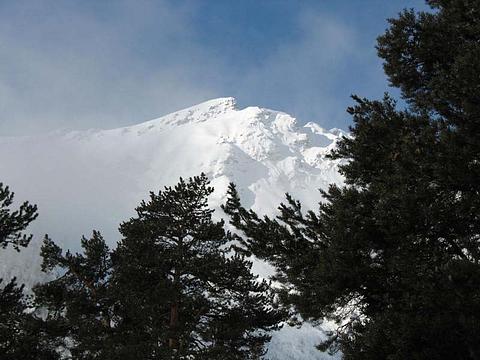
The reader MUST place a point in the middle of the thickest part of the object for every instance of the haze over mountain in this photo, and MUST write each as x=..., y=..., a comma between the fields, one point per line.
x=84, y=180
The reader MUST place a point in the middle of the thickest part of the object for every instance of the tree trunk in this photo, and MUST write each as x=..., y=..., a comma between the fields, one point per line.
x=173, y=341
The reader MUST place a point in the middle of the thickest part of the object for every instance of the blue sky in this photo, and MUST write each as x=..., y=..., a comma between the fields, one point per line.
x=81, y=64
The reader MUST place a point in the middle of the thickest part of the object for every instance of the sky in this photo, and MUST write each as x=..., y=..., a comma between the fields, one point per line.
x=103, y=64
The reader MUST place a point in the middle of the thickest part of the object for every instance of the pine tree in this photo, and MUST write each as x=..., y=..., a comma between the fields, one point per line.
x=191, y=294
x=77, y=305
x=13, y=223
x=395, y=254
x=173, y=288
x=22, y=335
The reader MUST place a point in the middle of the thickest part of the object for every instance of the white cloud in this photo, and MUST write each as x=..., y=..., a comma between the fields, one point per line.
x=107, y=64
x=307, y=77
x=69, y=67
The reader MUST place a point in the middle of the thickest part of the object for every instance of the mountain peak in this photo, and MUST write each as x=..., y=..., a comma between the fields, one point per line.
x=227, y=103
x=95, y=178
x=196, y=113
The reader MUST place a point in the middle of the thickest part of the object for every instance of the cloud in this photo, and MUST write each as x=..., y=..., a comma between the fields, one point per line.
x=310, y=77
x=79, y=67
x=295, y=68
x=87, y=64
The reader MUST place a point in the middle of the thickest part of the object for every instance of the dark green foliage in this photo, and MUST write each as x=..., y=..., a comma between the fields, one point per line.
x=196, y=296
x=395, y=253
x=13, y=223
x=22, y=335
x=77, y=305
x=433, y=58
x=288, y=242
x=172, y=289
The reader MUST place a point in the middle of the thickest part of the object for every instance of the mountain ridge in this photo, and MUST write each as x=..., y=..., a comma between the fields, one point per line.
x=93, y=179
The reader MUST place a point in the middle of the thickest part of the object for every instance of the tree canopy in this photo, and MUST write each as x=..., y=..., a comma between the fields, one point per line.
x=394, y=254
x=173, y=288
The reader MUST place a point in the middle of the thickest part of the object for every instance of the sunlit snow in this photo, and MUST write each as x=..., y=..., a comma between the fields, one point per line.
x=84, y=180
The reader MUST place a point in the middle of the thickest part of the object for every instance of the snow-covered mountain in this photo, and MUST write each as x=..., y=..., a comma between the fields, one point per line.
x=84, y=180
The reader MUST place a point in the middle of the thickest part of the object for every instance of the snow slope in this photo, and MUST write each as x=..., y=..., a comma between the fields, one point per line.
x=84, y=180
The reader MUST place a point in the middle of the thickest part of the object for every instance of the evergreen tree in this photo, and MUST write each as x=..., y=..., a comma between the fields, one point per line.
x=395, y=254
x=77, y=305
x=172, y=289
x=187, y=294
x=13, y=223
x=22, y=335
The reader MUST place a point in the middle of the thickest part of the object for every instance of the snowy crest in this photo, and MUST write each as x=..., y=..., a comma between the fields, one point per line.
x=94, y=179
